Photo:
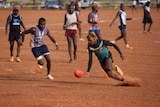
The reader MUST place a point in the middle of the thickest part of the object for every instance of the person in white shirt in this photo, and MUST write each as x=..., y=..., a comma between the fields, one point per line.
x=38, y=45
x=70, y=25
x=122, y=25
x=134, y=5
x=93, y=20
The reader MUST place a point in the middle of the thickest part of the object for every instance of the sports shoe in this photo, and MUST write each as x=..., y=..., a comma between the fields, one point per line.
x=126, y=80
x=129, y=47
x=118, y=70
x=49, y=76
x=70, y=61
x=40, y=66
x=113, y=41
x=37, y=70
x=18, y=59
x=81, y=39
x=11, y=58
x=144, y=31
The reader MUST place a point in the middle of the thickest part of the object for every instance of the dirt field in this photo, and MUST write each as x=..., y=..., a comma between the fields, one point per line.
x=22, y=87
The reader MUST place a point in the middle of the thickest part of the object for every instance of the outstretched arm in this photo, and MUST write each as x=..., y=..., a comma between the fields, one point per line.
x=52, y=39
x=108, y=43
x=89, y=63
x=119, y=51
x=129, y=18
x=118, y=13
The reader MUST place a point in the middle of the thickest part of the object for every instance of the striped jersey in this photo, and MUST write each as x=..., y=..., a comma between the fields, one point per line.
x=37, y=39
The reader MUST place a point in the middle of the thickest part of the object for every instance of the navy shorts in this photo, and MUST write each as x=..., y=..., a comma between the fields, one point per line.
x=122, y=28
x=39, y=51
x=95, y=31
x=13, y=37
x=147, y=20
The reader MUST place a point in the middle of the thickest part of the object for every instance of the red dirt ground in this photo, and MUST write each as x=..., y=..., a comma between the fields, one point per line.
x=22, y=87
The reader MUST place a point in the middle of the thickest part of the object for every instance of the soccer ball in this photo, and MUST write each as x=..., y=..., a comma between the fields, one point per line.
x=78, y=73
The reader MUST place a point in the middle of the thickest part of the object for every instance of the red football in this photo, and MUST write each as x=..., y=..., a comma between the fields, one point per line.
x=78, y=73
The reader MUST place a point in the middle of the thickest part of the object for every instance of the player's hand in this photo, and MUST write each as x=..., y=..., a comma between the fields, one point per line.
x=122, y=57
x=57, y=47
x=110, y=25
x=81, y=39
x=79, y=22
x=87, y=74
x=64, y=27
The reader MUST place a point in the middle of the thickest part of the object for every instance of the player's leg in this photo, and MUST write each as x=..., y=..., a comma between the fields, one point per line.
x=150, y=24
x=47, y=57
x=11, y=50
x=18, y=49
x=75, y=47
x=144, y=25
x=38, y=55
x=69, y=41
x=45, y=52
x=121, y=36
x=107, y=67
x=98, y=33
x=80, y=31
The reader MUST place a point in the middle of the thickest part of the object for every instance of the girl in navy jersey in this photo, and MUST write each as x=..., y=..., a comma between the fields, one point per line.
x=37, y=43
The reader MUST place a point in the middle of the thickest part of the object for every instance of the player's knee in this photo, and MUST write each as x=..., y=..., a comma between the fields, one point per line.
x=40, y=62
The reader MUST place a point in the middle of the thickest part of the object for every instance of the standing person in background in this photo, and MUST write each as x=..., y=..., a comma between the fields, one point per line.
x=93, y=20
x=21, y=4
x=158, y=5
x=122, y=25
x=70, y=25
x=134, y=6
x=38, y=45
x=147, y=17
x=15, y=22
x=77, y=10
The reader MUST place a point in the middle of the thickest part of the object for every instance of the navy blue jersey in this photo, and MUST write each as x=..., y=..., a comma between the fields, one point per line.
x=15, y=22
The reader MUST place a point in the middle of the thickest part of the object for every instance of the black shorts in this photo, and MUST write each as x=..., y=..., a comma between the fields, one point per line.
x=13, y=37
x=158, y=5
x=147, y=20
x=133, y=6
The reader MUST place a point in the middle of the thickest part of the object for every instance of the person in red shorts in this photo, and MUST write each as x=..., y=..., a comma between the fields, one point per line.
x=70, y=25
